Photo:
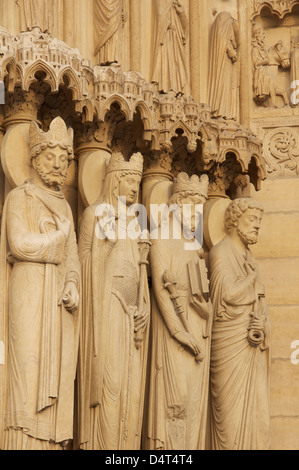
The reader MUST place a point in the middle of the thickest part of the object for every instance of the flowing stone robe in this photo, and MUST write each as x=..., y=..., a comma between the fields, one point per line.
x=223, y=71
x=262, y=81
x=169, y=52
x=108, y=25
x=178, y=386
x=35, y=13
x=41, y=337
x=112, y=371
x=239, y=372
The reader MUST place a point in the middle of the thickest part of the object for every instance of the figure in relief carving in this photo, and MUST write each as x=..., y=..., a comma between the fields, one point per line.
x=109, y=18
x=115, y=315
x=295, y=74
x=169, y=52
x=265, y=68
x=224, y=73
x=240, y=336
x=40, y=276
x=181, y=321
x=36, y=14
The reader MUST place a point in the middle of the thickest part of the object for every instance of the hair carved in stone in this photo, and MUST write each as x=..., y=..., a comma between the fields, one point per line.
x=240, y=413
x=39, y=259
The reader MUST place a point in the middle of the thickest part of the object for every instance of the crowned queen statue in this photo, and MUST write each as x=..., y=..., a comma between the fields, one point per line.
x=115, y=313
x=181, y=322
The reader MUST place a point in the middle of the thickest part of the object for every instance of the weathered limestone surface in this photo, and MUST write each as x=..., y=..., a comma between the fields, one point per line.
x=205, y=87
x=277, y=252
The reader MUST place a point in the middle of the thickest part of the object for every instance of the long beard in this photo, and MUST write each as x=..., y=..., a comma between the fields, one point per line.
x=49, y=179
x=246, y=238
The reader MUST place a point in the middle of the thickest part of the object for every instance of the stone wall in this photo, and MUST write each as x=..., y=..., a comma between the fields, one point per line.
x=277, y=253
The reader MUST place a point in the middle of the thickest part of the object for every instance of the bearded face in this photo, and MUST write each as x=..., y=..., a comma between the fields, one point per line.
x=52, y=165
x=248, y=226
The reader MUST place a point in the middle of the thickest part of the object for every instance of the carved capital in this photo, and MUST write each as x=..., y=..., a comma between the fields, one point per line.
x=22, y=106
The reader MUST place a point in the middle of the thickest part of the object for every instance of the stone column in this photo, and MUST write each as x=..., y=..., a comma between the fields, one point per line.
x=157, y=181
x=21, y=108
x=92, y=151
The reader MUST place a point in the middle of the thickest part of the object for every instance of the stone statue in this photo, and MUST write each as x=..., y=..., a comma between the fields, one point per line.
x=169, y=52
x=36, y=14
x=181, y=321
x=109, y=18
x=223, y=72
x=240, y=336
x=265, y=65
x=115, y=314
x=40, y=276
x=295, y=74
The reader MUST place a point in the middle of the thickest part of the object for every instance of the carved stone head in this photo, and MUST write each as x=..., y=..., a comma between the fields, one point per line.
x=189, y=192
x=243, y=216
x=51, y=152
x=122, y=179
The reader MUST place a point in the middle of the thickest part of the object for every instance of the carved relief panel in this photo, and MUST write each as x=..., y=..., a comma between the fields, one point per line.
x=274, y=54
x=281, y=151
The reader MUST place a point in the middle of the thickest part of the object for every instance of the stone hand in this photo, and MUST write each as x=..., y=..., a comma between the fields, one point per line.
x=141, y=319
x=188, y=340
x=204, y=308
x=63, y=224
x=251, y=269
x=232, y=54
x=257, y=324
x=70, y=297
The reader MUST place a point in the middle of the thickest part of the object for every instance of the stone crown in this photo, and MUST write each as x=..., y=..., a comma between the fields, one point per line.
x=57, y=134
x=194, y=184
x=118, y=163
